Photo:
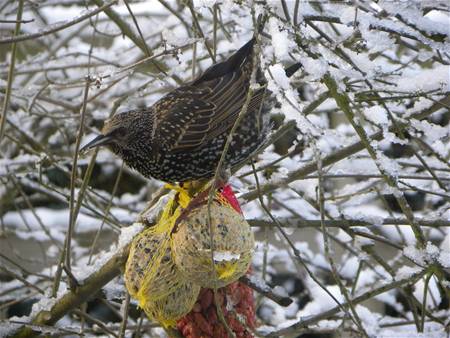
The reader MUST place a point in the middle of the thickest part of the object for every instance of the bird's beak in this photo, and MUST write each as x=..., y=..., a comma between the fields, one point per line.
x=100, y=140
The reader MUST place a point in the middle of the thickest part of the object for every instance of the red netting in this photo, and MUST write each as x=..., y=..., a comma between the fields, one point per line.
x=238, y=307
x=229, y=195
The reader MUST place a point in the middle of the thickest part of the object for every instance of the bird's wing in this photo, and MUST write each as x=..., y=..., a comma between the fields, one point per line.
x=195, y=114
x=203, y=111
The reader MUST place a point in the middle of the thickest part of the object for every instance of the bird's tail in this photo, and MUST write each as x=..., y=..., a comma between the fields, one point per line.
x=233, y=63
x=237, y=59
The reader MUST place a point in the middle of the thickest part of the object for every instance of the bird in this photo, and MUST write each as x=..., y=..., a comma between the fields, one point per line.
x=181, y=137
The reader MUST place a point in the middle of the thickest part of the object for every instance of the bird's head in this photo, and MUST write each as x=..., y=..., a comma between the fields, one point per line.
x=118, y=132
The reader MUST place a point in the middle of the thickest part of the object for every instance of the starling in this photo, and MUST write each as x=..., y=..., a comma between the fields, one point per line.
x=181, y=137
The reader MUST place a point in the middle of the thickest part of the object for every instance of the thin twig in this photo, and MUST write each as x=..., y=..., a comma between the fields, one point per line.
x=355, y=317
x=57, y=28
x=292, y=329
x=266, y=291
x=343, y=102
x=123, y=324
x=10, y=72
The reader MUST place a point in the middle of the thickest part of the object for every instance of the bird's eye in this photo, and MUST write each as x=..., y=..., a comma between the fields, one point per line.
x=119, y=132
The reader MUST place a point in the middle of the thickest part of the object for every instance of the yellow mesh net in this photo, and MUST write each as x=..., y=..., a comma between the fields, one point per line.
x=169, y=261
x=168, y=309
x=232, y=243
x=151, y=275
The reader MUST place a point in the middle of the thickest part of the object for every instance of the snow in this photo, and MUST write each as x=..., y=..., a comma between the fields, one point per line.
x=433, y=295
x=406, y=272
x=389, y=298
x=44, y=304
x=9, y=327
x=280, y=40
x=369, y=320
x=409, y=331
x=433, y=132
x=377, y=115
x=27, y=223
x=115, y=289
x=409, y=13
x=83, y=269
x=258, y=282
x=279, y=75
x=225, y=256
x=128, y=233
x=444, y=259
x=316, y=68
x=10, y=165
x=377, y=41
x=321, y=300
x=430, y=254
x=349, y=268
x=280, y=291
x=415, y=254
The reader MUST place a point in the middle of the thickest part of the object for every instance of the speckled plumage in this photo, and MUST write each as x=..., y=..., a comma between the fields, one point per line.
x=181, y=137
